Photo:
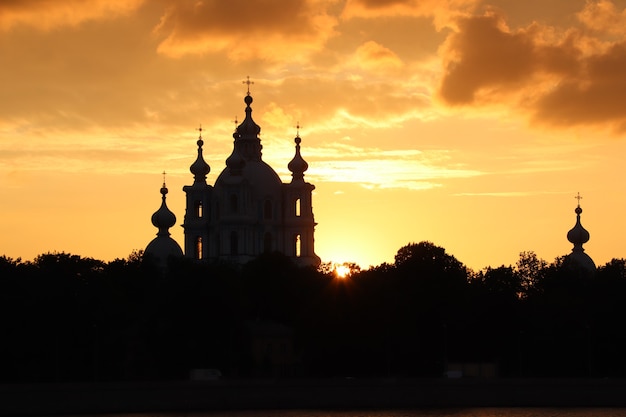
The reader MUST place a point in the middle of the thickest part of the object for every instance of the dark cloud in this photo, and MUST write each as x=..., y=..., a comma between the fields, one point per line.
x=48, y=14
x=593, y=95
x=484, y=56
x=197, y=27
x=564, y=80
x=187, y=19
x=376, y=4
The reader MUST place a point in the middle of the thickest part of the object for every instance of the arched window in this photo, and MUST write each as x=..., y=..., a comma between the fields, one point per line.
x=297, y=245
x=198, y=247
x=297, y=207
x=234, y=204
x=267, y=242
x=234, y=243
x=267, y=210
x=198, y=209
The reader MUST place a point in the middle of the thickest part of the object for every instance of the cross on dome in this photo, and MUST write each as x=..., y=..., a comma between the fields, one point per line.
x=164, y=188
x=578, y=197
x=248, y=82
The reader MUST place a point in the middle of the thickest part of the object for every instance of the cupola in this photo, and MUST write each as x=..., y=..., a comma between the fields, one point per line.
x=200, y=169
x=163, y=247
x=297, y=165
x=578, y=235
x=163, y=218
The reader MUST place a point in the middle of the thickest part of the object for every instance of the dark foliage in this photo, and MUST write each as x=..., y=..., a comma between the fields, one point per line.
x=67, y=318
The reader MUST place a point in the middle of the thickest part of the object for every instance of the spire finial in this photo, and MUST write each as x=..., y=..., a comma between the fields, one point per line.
x=164, y=188
x=298, y=128
x=235, y=122
x=578, y=197
x=200, y=142
x=248, y=82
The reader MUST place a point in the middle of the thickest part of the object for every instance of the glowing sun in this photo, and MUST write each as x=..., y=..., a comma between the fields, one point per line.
x=342, y=271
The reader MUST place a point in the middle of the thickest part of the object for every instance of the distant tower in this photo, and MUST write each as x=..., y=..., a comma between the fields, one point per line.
x=249, y=210
x=162, y=247
x=578, y=235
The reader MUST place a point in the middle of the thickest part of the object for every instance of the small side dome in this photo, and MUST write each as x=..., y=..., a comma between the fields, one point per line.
x=162, y=247
x=200, y=169
x=578, y=235
x=297, y=165
x=578, y=260
x=163, y=218
x=248, y=128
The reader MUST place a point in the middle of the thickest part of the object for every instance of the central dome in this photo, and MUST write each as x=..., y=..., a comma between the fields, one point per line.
x=261, y=177
x=245, y=164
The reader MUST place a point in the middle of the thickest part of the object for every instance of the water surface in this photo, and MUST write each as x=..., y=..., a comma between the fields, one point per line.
x=448, y=412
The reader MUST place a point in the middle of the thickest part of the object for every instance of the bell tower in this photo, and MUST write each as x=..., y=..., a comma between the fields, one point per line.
x=299, y=221
x=198, y=208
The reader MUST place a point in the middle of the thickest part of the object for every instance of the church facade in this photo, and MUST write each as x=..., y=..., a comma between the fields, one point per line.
x=249, y=210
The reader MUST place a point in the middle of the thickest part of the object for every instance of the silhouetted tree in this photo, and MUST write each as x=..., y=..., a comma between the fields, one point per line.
x=68, y=318
x=494, y=318
x=428, y=287
x=530, y=269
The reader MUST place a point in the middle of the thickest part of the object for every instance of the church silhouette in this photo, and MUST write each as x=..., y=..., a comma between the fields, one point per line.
x=250, y=211
x=247, y=212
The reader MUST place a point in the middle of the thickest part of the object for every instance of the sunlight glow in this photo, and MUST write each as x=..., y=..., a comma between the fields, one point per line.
x=342, y=271
x=468, y=124
x=345, y=269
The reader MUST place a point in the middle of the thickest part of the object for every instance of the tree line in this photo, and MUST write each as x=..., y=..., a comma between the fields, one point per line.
x=69, y=318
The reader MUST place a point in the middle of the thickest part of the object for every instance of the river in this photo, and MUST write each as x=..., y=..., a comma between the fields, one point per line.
x=447, y=412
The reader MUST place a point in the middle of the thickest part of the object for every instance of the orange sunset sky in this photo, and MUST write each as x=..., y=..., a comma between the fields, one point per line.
x=468, y=123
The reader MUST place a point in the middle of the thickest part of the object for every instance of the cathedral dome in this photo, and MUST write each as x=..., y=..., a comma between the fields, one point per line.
x=245, y=164
x=579, y=260
x=261, y=177
x=578, y=235
x=163, y=246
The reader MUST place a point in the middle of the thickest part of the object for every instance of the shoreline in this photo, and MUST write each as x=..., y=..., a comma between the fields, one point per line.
x=389, y=393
